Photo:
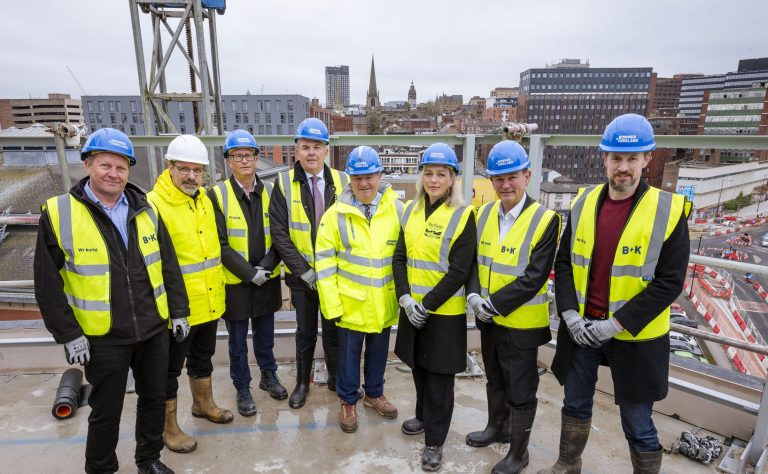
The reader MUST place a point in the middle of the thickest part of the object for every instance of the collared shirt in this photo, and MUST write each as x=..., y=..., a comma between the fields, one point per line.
x=118, y=214
x=247, y=192
x=374, y=204
x=506, y=221
x=320, y=181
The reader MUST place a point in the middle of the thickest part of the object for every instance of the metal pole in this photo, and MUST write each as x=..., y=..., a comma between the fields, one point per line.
x=536, y=155
x=717, y=210
x=468, y=180
x=693, y=277
x=756, y=446
x=197, y=10
x=212, y=36
x=762, y=194
x=61, y=151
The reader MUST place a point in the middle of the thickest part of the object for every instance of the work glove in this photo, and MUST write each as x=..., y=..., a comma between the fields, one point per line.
x=261, y=277
x=482, y=307
x=78, y=350
x=597, y=332
x=416, y=313
x=575, y=324
x=180, y=328
x=310, y=278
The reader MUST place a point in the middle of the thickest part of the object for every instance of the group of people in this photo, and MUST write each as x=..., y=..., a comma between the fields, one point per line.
x=127, y=280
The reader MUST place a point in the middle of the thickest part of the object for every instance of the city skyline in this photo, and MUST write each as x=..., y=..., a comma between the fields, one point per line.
x=277, y=49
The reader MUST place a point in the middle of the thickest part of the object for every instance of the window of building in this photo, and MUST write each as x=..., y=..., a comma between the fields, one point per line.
x=290, y=105
x=268, y=117
x=234, y=105
x=119, y=106
x=133, y=129
x=133, y=106
x=278, y=104
x=267, y=106
x=261, y=129
x=259, y=105
x=256, y=118
x=113, y=118
x=245, y=106
x=282, y=118
x=101, y=106
x=111, y=106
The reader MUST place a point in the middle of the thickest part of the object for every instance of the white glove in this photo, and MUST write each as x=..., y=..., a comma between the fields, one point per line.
x=575, y=324
x=261, y=277
x=482, y=307
x=180, y=328
x=598, y=332
x=310, y=278
x=416, y=313
x=78, y=350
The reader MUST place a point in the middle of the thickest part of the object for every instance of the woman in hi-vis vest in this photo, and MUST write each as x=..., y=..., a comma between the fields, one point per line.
x=431, y=265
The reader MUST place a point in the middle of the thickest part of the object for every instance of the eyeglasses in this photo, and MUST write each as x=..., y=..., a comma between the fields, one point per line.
x=238, y=157
x=186, y=171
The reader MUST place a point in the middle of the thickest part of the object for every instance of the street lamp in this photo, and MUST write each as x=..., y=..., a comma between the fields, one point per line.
x=717, y=210
x=762, y=193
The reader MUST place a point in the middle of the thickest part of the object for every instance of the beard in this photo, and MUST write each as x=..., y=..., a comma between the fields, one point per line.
x=622, y=187
x=189, y=188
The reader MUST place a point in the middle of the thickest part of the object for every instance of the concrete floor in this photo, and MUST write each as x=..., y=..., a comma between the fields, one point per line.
x=279, y=439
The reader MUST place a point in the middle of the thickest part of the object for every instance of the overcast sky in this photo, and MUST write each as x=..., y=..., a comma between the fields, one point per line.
x=456, y=47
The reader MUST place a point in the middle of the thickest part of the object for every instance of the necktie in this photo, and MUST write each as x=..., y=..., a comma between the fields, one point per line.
x=367, y=211
x=318, y=199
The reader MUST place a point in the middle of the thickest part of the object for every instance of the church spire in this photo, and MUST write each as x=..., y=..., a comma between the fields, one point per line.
x=372, y=99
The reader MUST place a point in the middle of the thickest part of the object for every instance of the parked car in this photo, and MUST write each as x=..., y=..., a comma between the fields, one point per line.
x=677, y=318
x=683, y=337
x=675, y=345
x=677, y=308
x=689, y=355
x=764, y=240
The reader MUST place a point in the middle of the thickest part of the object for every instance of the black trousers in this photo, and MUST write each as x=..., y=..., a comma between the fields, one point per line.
x=434, y=403
x=509, y=368
x=307, y=304
x=197, y=349
x=107, y=372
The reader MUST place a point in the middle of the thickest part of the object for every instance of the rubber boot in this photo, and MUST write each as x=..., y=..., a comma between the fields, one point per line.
x=203, y=405
x=497, y=429
x=520, y=424
x=175, y=439
x=331, y=362
x=646, y=462
x=303, y=370
x=574, y=434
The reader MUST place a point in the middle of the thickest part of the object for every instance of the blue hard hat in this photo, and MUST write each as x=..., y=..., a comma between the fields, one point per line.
x=628, y=133
x=363, y=160
x=440, y=154
x=111, y=140
x=507, y=156
x=312, y=129
x=240, y=139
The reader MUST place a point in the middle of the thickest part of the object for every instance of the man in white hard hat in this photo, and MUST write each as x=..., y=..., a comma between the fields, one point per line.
x=189, y=216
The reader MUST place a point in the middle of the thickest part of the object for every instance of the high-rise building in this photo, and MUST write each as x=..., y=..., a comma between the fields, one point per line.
x=750, y=72
x=574, y=98
x=412, y=96
x=664, y=95
x=336, y=86
x=22, y=113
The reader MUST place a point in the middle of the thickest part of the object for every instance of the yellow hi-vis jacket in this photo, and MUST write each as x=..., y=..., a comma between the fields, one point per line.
x=237, y=226
x=299, y=226
x=191, y=224
x=499, y=264
x=650, y=224
x=428, y=244
x=86, y=266
x=354, y=263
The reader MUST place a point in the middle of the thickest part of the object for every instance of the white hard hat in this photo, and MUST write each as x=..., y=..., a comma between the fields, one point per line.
x=187, y=148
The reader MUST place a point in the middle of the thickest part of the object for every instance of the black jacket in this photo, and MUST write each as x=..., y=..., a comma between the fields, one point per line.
x=245, y=300
x=278, y=216
x=441, y=344
x=640, y=369
x=520, y=291
x=134, y=313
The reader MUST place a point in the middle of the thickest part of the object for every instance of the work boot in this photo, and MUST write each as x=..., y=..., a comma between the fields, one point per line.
x=245, y=404
x=412, y=427
x=175, y=439
x=348, y=417
x=303, y=371
x=646, y=462
x=497, y=429
x=520, y=424
x=203, y=405
x=574, y=434
x=331, y=362
x=381, y=405
x=155, y=467
x=271, y=383
x=431, y=458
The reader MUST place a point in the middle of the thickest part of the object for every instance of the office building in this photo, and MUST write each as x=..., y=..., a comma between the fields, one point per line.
x=750, y=72
x=22, y=113
x=336, y=86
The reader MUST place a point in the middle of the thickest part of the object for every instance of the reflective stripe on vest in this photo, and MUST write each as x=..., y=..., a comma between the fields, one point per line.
x=501, y=263
x=299, y=226
x=237, y=225
x=85, y=273
x=637, y=253
x=428, y=245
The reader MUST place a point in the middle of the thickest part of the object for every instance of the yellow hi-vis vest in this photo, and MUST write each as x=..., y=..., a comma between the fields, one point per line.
x=299, y=227
x=353, y=261
x=192, y=226
x=428, y=244
x=237, y=226
x=86, y=262
x=499, y=264
x=650, y=223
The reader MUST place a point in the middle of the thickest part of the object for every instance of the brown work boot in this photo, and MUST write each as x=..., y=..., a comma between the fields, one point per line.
x=175, y=439
x=348, y=417
x=203, y=405
x=381, y=405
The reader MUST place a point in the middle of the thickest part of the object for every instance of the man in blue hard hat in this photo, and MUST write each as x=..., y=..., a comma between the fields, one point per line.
x=517, y=241
x=301, y=197
x=251, y=268
x=353, y=261
x=107, y=281
x=615, y=302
